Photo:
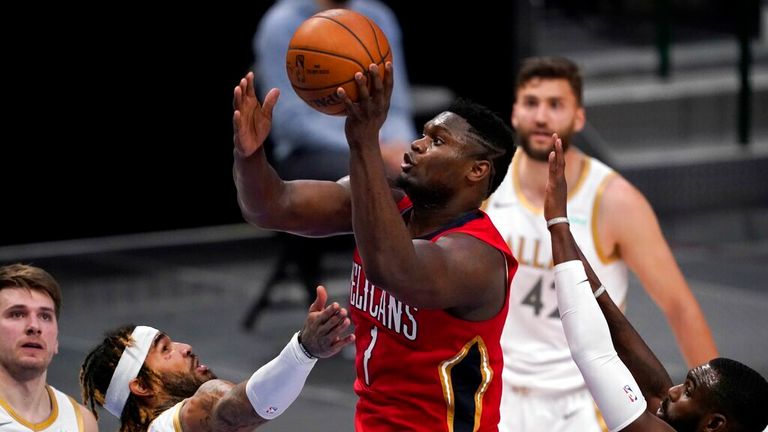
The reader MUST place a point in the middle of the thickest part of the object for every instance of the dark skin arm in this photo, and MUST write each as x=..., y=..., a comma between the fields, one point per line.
x=305, y=207
x=653, y=379
x=221, y=406
x=455, y=272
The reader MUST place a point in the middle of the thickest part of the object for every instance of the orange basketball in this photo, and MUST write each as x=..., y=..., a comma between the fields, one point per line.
x=325, y=53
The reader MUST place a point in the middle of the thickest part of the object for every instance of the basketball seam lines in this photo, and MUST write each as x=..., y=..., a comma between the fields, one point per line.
x=355, y=36
x=376, y=39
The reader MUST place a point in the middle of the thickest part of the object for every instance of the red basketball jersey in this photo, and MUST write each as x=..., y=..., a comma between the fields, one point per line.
x=426, y=370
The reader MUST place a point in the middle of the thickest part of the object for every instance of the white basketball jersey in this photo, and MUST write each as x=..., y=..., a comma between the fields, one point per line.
x=65, y=416
x=536, y=354
x=169, y=420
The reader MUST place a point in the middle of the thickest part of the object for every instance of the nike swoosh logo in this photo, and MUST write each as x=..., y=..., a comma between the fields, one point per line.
x=502, y=204
x=5, y=422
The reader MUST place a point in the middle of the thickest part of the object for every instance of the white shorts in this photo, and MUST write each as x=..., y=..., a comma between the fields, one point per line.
x=526, y=411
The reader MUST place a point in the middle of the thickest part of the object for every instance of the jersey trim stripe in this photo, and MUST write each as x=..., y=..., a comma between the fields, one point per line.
x=35, y=426
x=605, y=259
x=177, y=417
x=78, y=415
x=586, y=165
x=450, y=393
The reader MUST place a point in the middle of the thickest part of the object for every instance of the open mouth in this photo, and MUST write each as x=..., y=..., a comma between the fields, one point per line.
x=662, y=411
x=407, y=162
x=33, y=345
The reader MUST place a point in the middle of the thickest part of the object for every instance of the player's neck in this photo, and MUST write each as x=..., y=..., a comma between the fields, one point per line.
x=425, y=220
x=532, y=174
x=28, y=398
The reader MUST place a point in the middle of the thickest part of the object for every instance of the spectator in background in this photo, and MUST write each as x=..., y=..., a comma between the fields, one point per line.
x=306, y=143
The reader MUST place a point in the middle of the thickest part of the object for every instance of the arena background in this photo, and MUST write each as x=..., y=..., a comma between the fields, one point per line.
x=116, y=172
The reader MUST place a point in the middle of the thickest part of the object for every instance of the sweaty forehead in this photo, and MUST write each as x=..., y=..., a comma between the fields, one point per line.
x=703, y=376
x=448, y=121
x=448, y=124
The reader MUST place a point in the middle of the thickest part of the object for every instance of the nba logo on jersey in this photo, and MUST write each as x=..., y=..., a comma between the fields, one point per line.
x=630, y=394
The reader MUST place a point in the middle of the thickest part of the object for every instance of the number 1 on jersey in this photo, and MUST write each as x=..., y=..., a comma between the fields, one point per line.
x=369, y=352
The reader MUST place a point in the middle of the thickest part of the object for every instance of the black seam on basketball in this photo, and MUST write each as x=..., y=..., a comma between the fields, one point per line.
x=353, y=34
x=363, y=69
x=372, y=25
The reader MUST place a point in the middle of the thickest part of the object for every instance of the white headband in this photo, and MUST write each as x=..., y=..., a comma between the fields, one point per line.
x=128, y=368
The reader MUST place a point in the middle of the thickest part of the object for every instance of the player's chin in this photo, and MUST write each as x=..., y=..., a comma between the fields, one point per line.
x=203, y=373
x=402, y=180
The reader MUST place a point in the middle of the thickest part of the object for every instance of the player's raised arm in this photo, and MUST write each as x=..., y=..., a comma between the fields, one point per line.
x=312, y=208
x=613, y=387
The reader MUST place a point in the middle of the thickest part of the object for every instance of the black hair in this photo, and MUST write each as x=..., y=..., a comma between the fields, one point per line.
x=494, y=134
x=741, y=394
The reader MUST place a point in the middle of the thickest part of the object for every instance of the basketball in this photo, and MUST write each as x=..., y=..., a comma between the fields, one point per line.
x=325, y=53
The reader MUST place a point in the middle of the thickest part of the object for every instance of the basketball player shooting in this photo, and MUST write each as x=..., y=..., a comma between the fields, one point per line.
x=430, y=275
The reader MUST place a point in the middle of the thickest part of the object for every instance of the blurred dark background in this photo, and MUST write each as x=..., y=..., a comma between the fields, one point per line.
x=119, y=121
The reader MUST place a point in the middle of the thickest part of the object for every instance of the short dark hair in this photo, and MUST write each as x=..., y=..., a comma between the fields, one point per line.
x=551, y=68
x=32, y=278
x=496, y=136
x=741, y=393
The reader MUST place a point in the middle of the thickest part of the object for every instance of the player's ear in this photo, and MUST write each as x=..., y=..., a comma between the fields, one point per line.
x=714, y=422
x=140, y=388
x=580, y=120
x=479, y=170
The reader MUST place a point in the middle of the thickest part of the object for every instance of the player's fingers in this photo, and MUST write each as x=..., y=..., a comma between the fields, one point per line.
x=328, y=313
x=376, y=80
x=342, y=342
x=249, y=89
x=237, y=96
x=236, y=122
x=330, y=325
x=348, y=104
x=362, y=86
x=270, y=100
x=320, y=299
x=389, y=79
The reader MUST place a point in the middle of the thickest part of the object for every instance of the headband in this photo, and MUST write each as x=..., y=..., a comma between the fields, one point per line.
x=128, y=368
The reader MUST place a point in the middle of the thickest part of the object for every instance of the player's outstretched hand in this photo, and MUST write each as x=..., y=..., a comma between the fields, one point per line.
x=325, y=328
x=251, y=120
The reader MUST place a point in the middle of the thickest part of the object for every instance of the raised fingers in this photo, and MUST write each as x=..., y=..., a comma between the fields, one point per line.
x=362, y=86
x=376, y=80
x=389, y=79
x=319, y=303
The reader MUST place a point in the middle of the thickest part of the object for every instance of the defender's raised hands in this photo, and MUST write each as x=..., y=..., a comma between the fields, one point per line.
x=556, y=197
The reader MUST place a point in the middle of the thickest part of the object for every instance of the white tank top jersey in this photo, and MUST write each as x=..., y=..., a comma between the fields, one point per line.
x=65, y=416
x=169, y=420
x=536, y=354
